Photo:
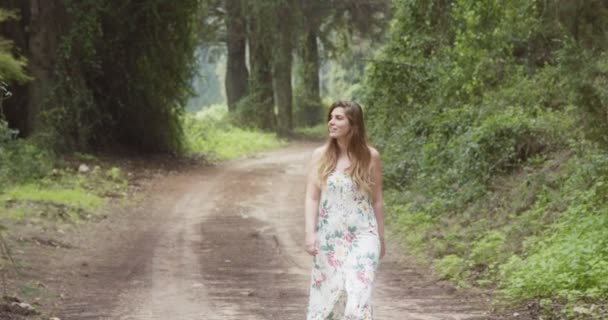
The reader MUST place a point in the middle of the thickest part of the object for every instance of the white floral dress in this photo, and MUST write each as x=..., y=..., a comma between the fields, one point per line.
x=349, y=247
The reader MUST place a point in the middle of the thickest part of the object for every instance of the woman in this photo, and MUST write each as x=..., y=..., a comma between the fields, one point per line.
x=344, y=218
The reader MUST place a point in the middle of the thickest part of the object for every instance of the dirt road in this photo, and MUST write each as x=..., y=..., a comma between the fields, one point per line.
x=225, y=243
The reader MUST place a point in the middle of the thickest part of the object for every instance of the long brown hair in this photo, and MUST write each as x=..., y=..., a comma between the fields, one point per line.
x=358, y=148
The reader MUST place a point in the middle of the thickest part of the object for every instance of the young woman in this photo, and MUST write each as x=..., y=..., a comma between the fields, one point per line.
x=344, y=218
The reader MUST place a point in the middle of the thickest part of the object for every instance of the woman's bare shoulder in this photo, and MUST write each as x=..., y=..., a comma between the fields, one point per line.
x=375, y=154
x=318, y=152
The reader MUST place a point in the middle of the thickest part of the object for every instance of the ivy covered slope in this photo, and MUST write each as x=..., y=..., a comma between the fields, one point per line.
x=491, y=117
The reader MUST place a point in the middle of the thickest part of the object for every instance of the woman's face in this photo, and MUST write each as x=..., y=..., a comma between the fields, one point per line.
x=338, y=124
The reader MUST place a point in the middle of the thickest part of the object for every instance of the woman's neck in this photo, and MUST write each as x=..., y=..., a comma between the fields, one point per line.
x=342, y=145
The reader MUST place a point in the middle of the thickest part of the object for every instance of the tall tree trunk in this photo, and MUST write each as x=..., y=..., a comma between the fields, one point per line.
x=311, y=66
x=282, y=71
x=46, y=17
x=310, y=79
x=236, y=68
x=260, y=85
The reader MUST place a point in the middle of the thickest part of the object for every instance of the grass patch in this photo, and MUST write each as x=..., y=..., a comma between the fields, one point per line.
x=236, y=143
x=69, y=197
x=211, y=134
x=34, y=201
x=63, y=194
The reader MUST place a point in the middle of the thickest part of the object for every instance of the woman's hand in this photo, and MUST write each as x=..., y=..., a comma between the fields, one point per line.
x=382, y=248
x=311, y=245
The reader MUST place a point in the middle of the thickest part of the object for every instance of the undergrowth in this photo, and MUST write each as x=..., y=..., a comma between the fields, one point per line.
x=37, y=184
x=210, y=133
x=491, y=117
x=318, y=132
x=63, y=194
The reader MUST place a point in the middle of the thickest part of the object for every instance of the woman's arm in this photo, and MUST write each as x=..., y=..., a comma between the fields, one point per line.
x=377, y=199
x=311, y=204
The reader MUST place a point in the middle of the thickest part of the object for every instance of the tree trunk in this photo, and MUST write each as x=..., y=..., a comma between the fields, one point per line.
x=43, y=43
x=311, y=66
x=260, y=86
x=282, y=71
x=310, y=80
x=236, y=68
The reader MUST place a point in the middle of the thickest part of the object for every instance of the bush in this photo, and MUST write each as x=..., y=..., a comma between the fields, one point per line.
x=450, y=267
x=487, y=249
x=21, y=161
x=11, y=67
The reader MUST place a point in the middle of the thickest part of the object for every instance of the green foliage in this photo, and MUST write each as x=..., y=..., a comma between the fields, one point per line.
x=21, y=161
x=450, y=267
x=318, y=132
x=148, y=70
x=115, y=174
x=308, y=111
x=32, y=192
x=491, y=120
x=255, y=111
x=587, y=84
x=410, y=224
x=11, y=67
x=6, y=134
x=212, y=134
x=62, y=193
x=84, y=156
x=571, y=259
x=123, y=75
x=71, y=115
x=340, y=80
x=487, y=248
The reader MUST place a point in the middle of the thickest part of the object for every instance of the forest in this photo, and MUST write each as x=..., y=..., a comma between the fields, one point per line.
x=490, y=116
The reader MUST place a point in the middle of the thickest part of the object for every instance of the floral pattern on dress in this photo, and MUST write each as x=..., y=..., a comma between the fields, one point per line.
x=344, y=268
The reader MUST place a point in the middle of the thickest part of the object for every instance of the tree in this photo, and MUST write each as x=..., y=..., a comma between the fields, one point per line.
x=309, y=99
x=327, y=22
x=148, y=62
x=282, y=65
x=106, y=72
x=236, y=40
x=45, y=22
x=258, y=109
